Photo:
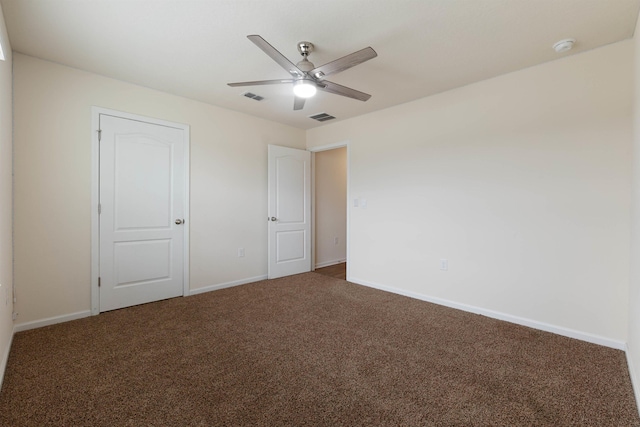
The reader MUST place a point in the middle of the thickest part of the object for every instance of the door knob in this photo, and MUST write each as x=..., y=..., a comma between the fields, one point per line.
x=273, y=218
x=179, y=221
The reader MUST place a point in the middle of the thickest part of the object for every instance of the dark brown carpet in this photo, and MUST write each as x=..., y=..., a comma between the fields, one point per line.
x=308, y=350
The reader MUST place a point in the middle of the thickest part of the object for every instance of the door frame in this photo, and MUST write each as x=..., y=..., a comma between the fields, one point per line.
x=313, y=151
x=95, y=196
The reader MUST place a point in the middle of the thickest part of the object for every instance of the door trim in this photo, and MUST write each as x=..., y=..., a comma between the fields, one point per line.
x=313, y=151
x=95, y=196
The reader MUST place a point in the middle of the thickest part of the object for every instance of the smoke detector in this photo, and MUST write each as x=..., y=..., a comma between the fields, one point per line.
x=564, y=45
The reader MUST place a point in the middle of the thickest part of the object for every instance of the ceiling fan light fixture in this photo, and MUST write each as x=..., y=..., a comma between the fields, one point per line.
x=304, y=88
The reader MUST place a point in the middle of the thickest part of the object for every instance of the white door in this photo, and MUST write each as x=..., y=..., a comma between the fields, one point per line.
x=289, y=211
x=142, y=205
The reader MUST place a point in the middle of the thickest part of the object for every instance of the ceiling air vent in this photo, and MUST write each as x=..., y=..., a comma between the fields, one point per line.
x=253, y=96
x=322, y=117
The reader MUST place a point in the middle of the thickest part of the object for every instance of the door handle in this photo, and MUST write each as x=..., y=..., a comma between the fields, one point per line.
x=273, y=218
x=180, y=221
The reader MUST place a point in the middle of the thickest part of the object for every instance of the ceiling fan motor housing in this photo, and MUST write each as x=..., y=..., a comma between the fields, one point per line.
x=305, y=48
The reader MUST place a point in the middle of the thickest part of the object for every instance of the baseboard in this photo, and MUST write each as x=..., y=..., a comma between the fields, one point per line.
x=571, y=333
x=634, y=378
x=5, y=358
x=226, y=285
x=79, y=315
x=328, y=263
x=50, y=321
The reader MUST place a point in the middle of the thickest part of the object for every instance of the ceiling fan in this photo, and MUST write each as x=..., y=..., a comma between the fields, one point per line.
x=306, y=77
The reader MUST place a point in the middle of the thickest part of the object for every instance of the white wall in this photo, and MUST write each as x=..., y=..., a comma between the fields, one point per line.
x=522, y=182
x=53, y=183
x=633, y=342
x=330, y=206
x=6, y=250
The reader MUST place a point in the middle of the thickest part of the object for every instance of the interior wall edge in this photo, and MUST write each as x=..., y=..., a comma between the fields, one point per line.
x=633, y=334
x=542, y=326
x=5, y=358
x=6, y=197
x=632, y=374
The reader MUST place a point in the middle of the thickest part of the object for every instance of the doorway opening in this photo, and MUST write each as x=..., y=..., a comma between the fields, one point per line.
x=330, y=219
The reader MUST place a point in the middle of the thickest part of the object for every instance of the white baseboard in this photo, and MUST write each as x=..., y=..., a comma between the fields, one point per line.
x=571, y=333
x=226, y=285
x=328, y=263
x=79, y=315
x=635, y=381
x=50, y=321
x=5, y=358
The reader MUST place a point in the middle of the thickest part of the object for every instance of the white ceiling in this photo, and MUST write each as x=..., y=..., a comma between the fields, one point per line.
x=194, y=48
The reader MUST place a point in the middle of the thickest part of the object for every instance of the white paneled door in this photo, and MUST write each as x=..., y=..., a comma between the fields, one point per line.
x=142, y=208
x=289, y=211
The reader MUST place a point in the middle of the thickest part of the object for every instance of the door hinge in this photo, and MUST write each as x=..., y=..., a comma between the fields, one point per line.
x=99, y=135
x=99, y=282
x=99, y=208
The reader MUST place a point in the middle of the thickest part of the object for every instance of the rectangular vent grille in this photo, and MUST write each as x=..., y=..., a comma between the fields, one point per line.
x=322, y=117
x=253, y=96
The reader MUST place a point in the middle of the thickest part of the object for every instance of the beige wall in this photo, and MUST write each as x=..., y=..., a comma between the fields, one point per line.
x=53, y=183
x=6, y=257
x=330, y=206
x=522, y=182
x=633, y=342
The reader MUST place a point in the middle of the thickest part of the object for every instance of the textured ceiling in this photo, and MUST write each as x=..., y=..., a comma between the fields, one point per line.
x=194, y=48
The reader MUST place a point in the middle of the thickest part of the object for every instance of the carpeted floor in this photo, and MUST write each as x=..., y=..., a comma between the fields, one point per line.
x=308, y=350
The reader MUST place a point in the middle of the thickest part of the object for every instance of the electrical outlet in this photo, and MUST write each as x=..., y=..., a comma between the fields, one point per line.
x=444, y=264
x=240, y=252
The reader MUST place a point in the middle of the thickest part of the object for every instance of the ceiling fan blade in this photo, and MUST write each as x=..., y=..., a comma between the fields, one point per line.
x=276, y=55
x=298, y=103
x=261, y=82
x=343, y=63
x=335, y=88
